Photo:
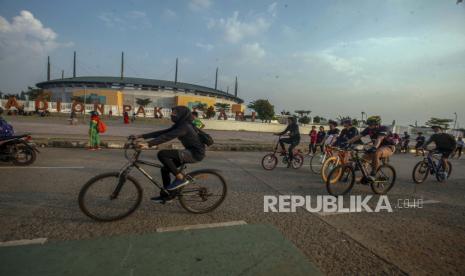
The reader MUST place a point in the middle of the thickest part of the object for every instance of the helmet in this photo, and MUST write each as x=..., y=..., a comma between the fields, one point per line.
x=346, y=120
x=374, y=120
x=332, y=122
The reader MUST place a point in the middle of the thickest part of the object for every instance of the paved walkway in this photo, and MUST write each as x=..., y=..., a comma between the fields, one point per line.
x=234, y=250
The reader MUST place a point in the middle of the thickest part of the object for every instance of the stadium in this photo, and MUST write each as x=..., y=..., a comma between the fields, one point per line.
x=120, y=91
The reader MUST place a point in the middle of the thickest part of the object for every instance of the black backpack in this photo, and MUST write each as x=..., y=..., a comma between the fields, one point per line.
x=204, y=137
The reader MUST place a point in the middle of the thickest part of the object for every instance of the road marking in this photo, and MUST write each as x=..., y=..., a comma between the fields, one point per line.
x=200, y=226
x=23, y=242
x=12, y=167
x=431, y=201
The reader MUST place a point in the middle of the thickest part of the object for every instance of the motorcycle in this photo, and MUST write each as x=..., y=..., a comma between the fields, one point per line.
x=18, y=149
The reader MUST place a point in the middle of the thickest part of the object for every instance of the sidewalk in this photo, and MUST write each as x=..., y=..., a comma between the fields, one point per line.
x=234, y=250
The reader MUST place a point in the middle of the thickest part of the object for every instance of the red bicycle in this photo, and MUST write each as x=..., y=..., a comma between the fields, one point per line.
x=270, y=161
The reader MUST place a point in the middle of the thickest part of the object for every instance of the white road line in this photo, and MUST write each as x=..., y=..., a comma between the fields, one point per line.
x=431, y=201
x=12, y=167
x=200, y=226
x=23, y=242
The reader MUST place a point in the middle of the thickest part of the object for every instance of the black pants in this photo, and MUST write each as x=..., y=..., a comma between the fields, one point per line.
x=458, y=151
x=172, y=160
x=312, y=148
x=292, y=144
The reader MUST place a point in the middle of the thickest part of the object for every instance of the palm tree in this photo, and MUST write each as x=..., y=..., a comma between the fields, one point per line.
x=222, y=106
x=201, y=106
x=143, y=102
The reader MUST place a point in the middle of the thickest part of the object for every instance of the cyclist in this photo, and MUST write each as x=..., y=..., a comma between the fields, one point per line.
x=347, y=133
x=293, y=140
x=420, y=142
x=332, y=133
x=172, y=159
x=405, y=141
x=321, y=135
x=196, y=121
x=382, y=146
x=313, y=139
x=445, y=145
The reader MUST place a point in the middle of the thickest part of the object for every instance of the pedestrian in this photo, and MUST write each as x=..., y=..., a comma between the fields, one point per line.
x=133, y=118
x=459, y=148
x=196, y=121
x=94, y=136
x=126, y=117
x=110, y=113
x=72, y=118
x=321, y=135
x=313, y=138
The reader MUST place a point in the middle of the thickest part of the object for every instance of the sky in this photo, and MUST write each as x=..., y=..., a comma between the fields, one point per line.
x=401, y=59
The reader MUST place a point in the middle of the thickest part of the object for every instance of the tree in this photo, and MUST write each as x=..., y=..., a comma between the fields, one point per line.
x=444, y=123
x=285, y=113
x=222, y=106
x=264, y=109
x=317, y=119
x=210, y=113
x=143, y=102
x=303, y=112
x=201, y=106
x=37, y=93
x=304, y=120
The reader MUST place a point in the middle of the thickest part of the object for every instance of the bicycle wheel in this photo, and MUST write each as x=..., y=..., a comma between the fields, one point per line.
x=384, y=179
x=440, y=176
x=316, y=163
x=269, y=162
x=340, y=180
x=420, y=172
x=205, y=193
x=96, y=200
x=297, y=161
x=328, y=166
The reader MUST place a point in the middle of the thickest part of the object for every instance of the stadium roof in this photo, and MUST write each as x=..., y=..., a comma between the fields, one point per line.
x=100, y=81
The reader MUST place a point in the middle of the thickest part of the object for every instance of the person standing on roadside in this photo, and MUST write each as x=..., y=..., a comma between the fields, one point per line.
x=320, y=138
x=313, y=140
x=94, y=136
x=196, y=121
x=126, y=117
x=459, y=148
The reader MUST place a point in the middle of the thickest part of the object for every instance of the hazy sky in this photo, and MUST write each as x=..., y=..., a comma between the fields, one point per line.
x=401, y=59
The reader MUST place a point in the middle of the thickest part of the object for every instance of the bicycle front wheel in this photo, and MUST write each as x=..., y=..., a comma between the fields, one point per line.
x=328, y=166
x=316, y=163
x=205, y=193
x=420, y=172
x=340, y=180
x=384, y=179
x=269, y=161
x=440, y=176
x=99, y=200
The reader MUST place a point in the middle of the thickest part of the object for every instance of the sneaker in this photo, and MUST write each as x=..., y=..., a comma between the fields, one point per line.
x=177, y=183
x=162, y=199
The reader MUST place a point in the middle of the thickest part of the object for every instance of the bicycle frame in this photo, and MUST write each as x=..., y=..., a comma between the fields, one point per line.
x=134, y=162
x=429, y=159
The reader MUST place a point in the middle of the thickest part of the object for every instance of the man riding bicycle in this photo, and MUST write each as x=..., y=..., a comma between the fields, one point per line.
x=347, y=133
x=293, y=140
x=382, y=147
x=445, y=145
x=194, y=151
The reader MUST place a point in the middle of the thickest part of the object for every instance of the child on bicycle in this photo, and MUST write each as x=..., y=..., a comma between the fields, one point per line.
x=194, y=151
x=445, y=145
x=293, y=140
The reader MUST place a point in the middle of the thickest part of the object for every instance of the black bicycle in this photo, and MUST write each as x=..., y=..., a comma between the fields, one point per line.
x=115, y=195
x=431, y=164
x=341, y=179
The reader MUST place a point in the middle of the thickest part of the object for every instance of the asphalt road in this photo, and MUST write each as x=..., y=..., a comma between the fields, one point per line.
x=41, y=202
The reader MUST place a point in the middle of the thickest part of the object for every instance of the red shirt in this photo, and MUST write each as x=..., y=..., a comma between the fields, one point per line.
x=313, y=135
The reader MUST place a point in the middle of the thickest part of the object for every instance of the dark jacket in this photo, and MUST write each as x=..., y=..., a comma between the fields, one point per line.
x=181, y=129
x=293, y=130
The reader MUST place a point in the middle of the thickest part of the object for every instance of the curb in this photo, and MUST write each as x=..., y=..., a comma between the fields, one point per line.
x=60, y=143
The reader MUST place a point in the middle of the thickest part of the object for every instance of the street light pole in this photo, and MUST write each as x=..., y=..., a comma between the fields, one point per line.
x=455, y=121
